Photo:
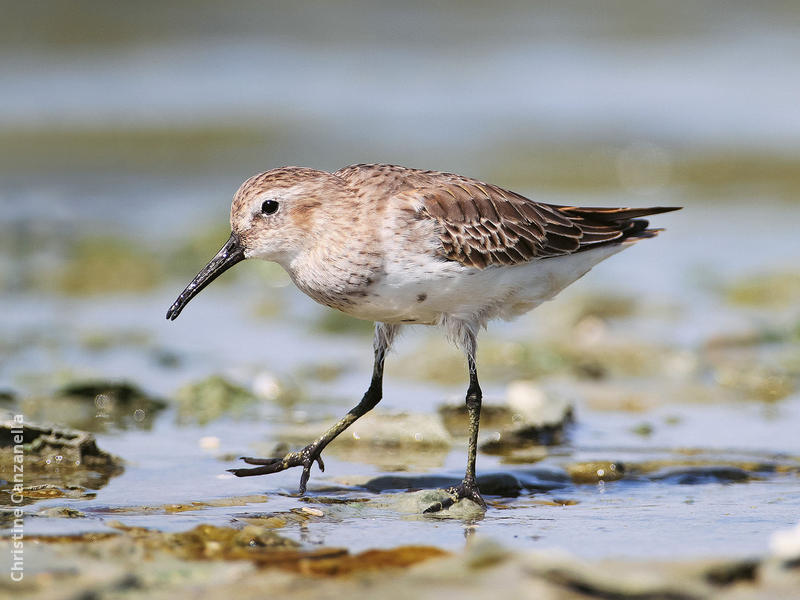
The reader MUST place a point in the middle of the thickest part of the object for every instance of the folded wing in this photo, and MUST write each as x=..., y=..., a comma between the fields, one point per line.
x=482, y=225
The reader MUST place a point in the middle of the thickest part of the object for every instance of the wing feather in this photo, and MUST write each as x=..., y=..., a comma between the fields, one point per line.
x=486, y=225
x=480, y=224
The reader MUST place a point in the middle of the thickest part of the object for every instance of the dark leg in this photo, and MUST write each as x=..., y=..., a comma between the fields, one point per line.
x=384, y=334
x=468, y=488
x=474, y=396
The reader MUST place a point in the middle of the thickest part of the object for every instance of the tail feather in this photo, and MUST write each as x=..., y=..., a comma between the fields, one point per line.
x=604, y=226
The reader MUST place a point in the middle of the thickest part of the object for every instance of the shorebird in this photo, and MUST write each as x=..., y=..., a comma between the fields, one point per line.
x=404, y=246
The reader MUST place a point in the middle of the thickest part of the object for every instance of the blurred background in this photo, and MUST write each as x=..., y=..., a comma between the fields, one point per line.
x=125, y=129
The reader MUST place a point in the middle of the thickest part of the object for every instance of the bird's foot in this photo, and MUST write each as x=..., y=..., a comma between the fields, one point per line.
x=466, y=489
x=303, y=458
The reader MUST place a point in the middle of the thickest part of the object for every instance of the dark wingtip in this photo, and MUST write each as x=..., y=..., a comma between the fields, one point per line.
x=613, y=215
x=664, y=209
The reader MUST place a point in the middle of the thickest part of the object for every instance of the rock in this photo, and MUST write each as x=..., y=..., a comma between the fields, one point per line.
x=785, y=544
x=314, y=512
x=482, y=552
x=57, y=459
x=95, y=404
x=385, y=439
x=539, y=419
x=456, y=419
x=525, y=456
x=279, y=390
x=490, y=484
x=521, y=438
x=47, y=490
x=398, y=431
x=415, y=503
x=391, y=442
x=539, y=480
x=595, y=472
x=701, y=475
x=499, y=484
x=393, y=483
x=266, y=548
x=608, y=579
x=532, y=406
x=759, y=382
x=643, y=429
x=61, y=512
x=7, y=517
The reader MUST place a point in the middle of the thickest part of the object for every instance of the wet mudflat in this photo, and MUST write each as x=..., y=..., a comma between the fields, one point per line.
x=639, y=435
x=618, y=426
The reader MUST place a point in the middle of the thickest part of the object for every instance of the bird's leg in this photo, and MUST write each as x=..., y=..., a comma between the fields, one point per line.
x=384, y=334
x=468, y=488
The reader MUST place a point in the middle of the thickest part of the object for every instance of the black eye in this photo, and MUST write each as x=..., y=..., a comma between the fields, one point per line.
x=269, y=207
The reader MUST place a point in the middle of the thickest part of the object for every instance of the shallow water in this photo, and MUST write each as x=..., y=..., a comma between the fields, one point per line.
x=656, y=510
x=640, y=518
x=683, y=365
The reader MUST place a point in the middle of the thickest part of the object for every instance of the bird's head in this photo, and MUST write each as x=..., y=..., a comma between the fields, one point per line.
x=273, y=217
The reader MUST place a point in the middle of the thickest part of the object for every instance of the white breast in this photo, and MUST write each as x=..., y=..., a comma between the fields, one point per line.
x=423, y=289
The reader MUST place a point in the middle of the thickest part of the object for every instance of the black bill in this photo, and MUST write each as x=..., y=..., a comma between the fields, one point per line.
x=230, y=254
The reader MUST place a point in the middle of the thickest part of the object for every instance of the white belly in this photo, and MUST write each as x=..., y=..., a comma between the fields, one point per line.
x=429, y=290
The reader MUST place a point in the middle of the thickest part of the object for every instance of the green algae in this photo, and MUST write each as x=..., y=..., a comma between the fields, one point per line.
x=104, y=340
x=595, y=472
x=195, y=249
x=324, y=372
x=56, y=462
x=455, y=417
x=524, y=437
x=643, y=429
x=568, y=354
x=756, y=381
x=777, y=289
x=156, y=148
x=122, y=392
x=262, y=546
x=47, y=491
x=94, y=405
x=211, y=398
x=334, y=322
x=107, y=264
x=604, y=305
x=582, y=167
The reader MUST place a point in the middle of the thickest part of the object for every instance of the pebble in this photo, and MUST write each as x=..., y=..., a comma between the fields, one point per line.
x=314, y=512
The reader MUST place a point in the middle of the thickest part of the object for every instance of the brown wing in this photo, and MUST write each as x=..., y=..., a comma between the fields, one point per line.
x=482, y=224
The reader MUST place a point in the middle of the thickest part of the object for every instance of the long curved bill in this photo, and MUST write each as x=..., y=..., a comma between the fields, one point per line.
x=230, y=254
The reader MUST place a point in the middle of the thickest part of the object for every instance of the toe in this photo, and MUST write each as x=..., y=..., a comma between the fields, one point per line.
x=260, y=461
x=439, y=506
x=251, y=472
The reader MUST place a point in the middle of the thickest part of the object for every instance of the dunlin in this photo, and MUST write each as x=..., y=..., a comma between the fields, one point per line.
x=403, y=246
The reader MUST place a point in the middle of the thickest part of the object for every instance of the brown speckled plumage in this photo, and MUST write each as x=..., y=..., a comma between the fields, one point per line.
x=405, y=246
x=480, y=224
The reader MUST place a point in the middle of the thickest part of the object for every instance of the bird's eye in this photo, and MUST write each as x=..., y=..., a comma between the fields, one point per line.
x=269, y=207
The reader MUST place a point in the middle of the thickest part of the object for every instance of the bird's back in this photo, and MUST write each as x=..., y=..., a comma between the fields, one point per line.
x=456, y=246
x=480, y=224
